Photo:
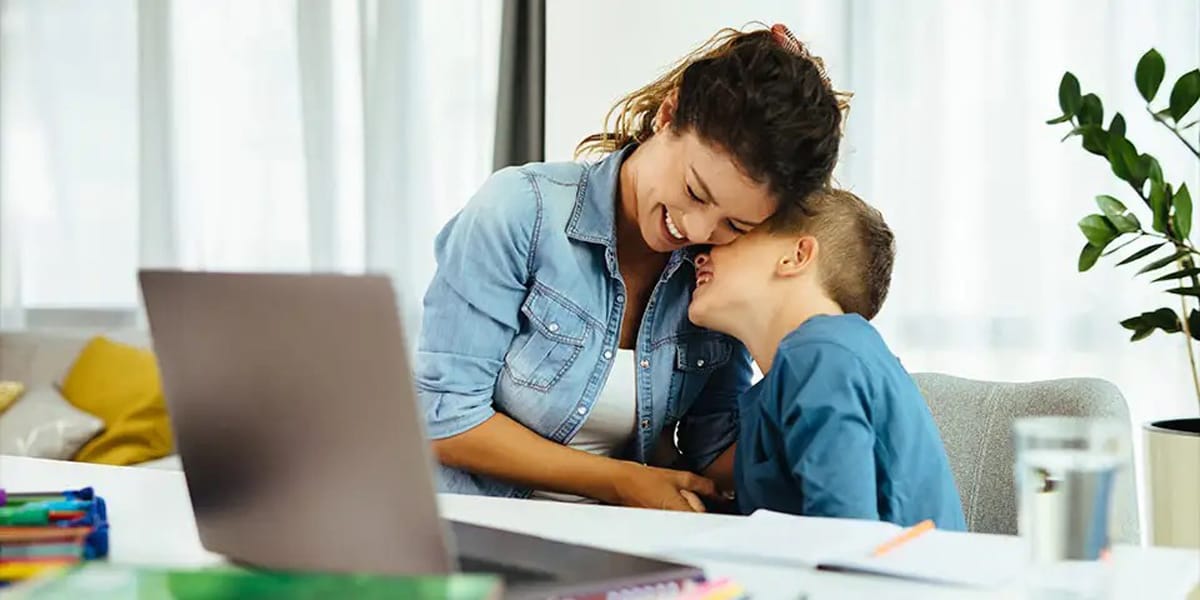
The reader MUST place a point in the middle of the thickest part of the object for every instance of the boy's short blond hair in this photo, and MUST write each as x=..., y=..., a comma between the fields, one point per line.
x=857, y=252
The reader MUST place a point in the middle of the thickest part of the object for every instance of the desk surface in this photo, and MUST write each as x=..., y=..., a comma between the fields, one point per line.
x=152, y=524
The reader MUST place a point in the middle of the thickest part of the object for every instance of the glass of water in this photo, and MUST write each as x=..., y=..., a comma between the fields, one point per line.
x=1066, y=470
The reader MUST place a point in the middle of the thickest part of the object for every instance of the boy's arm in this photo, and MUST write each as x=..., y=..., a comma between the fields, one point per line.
x=828, y=442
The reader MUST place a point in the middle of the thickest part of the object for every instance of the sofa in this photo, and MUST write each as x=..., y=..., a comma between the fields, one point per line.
x=41, y=423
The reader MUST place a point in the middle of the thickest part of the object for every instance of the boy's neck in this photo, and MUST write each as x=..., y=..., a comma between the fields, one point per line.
x=763, y=337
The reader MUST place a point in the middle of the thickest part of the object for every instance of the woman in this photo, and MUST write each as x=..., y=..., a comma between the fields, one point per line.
x=556, y=358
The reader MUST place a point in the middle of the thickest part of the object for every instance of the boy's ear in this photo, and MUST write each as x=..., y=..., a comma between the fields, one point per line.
x=801, y=256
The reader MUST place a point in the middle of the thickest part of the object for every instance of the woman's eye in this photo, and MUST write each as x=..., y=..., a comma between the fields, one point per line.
x=693, y=194
x=735, y=228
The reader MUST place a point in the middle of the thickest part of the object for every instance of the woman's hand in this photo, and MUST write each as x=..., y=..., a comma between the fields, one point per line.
x=651, y=487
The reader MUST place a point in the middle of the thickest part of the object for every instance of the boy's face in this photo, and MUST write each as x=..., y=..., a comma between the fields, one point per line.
x=736, y=278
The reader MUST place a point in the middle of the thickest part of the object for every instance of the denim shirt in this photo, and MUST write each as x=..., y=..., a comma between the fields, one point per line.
x=524, y=313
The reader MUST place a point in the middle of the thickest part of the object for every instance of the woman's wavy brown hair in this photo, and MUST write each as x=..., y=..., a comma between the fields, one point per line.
x=769, y=105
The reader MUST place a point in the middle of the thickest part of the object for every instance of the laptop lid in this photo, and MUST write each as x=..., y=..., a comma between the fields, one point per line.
x=274, y=383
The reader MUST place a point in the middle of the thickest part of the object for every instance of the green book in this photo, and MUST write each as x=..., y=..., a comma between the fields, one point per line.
x=104, y=581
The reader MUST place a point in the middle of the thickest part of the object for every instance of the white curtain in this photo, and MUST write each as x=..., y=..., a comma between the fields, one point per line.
x=274, y=135
x=947, y=135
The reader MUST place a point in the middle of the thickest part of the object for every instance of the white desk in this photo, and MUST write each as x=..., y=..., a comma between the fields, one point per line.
x=152, y=524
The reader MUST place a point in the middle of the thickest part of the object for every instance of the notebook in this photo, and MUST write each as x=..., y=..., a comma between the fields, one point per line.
x=853, y=545
x=104, y=581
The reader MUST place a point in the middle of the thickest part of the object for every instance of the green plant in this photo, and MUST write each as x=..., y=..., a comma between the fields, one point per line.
x=1168, y=242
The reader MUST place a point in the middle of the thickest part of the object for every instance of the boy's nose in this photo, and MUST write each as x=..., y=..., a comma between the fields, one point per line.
x=702, y=259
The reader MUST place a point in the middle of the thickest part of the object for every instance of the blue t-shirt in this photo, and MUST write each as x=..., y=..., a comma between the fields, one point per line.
x=837, y=428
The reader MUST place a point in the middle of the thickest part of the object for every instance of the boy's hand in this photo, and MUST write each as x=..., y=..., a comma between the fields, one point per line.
x=651, y=487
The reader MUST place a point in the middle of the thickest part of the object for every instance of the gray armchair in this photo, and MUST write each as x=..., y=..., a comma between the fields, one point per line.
x=975, y=419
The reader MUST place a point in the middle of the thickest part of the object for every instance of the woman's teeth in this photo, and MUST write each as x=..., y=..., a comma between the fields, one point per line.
x=671, y=225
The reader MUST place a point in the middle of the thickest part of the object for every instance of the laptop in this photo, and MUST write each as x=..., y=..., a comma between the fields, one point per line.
x=303, y=445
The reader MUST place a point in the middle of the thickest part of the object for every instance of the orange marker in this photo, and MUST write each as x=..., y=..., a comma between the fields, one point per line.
x=908, y=535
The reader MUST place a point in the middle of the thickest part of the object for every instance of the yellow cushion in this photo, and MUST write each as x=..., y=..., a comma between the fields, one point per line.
x=9, y=392
x=120, y=384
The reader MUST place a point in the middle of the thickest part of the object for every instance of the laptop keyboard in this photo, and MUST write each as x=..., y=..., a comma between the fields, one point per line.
x=510, y=573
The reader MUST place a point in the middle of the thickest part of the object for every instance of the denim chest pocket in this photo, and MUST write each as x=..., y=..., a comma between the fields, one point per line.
x=553, y=338
x=696, y=357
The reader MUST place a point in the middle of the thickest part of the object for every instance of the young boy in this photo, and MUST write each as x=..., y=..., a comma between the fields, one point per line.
x=836, y=427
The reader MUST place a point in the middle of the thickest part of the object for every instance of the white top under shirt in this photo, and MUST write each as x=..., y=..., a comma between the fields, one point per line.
x=612, y=421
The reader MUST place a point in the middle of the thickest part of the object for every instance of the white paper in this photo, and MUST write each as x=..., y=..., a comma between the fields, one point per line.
x=771, y=537
x=947, y=557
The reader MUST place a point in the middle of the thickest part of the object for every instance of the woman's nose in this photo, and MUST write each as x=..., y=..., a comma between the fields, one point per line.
x=699, y=227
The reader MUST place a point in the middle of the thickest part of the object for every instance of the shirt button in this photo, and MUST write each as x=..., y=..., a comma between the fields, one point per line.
x=581, y=410
x=607, y=354
x=553, y=327
x=620, y=298
x=700, y=363
x=645, y=423
x=645, y=364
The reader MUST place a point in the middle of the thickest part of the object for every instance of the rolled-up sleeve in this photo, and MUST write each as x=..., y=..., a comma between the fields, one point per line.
x=471, y=309
x=711, y=425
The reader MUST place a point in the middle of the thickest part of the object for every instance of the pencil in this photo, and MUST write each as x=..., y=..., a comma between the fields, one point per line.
x=908, y=535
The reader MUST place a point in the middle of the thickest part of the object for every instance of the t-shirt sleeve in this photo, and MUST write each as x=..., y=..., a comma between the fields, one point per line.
x=828, y=438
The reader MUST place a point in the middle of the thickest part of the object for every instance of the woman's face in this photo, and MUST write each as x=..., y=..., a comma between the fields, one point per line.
x=689, y=192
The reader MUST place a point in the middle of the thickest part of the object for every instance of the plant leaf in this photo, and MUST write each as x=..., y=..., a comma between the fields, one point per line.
x=1075, y=131
x=1118, y=163
x=1127, y=223
x=1117, y=127
x=1140, y=335
x=1162, y=262
x=1068, y=94
x=1098, y=230
x=1057, y=120
x=1164, y=319
x=1143, y=253
x=1160, y=203
x=1095, y=140
x=1118, y=214
x=1183, y=212
x=1193, y=323
x=1110, y=206
x=1184, y=94
x=1149, y=74
x=1153, y=169
x=1123, y=157
x=1179, y=274
x=1145, y=324
x=1185, y=291
x=1088, y=257
x=1091, y=110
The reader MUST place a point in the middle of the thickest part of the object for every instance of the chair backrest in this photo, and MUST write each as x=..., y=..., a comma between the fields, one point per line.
x=975, y=419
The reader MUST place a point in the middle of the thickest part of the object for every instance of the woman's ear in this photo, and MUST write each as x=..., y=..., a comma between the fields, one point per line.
x=666, y=111
x=802, y=255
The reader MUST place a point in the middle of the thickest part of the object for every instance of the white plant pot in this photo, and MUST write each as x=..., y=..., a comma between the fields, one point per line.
x=1173, y=482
